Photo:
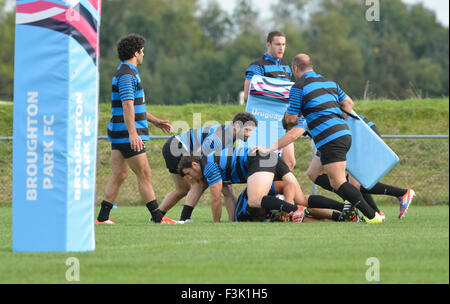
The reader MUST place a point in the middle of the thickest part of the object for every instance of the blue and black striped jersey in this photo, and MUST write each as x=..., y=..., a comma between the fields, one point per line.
x=207, y=139
x=231, y=164
x=317, y=99
x=126, y=85
x=269, y=67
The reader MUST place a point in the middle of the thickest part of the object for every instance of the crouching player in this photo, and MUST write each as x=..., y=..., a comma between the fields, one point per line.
x=202, y=141
x=238, y=166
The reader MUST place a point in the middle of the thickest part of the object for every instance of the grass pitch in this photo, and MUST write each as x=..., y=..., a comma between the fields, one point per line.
x=413, y=250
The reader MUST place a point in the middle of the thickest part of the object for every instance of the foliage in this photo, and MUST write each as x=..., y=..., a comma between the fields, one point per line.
x=197, y=52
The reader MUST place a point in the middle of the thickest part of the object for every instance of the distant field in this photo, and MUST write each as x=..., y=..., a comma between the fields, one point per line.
x=413, y=250
x=423, y=163
x=414, y=116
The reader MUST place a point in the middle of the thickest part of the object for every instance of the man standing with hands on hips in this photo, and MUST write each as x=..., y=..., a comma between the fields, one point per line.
x=128, y=129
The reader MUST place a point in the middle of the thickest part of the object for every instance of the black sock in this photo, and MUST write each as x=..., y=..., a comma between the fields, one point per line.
x=335, y=216
x=384, y=189
x=318, y=201
x=324, y=182
x=273, y=203
x=369, y=199
x=351, y=194
x=154, y=210
x=162, y=212
x=105, y=208
x=186, y=213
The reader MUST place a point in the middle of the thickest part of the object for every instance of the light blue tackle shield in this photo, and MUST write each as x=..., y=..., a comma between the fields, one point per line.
x=267, y=101
x=54, y=133
x=369, y=157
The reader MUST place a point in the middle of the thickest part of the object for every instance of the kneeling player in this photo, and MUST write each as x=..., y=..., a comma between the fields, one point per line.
x=202, y=141
x=259, y=172
x=238, y=167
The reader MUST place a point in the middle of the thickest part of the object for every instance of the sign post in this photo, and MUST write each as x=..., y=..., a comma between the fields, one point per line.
x=55, y=125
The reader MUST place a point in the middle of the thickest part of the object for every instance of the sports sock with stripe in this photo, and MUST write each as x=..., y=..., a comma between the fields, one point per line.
x=384, y=189
x=154, y=210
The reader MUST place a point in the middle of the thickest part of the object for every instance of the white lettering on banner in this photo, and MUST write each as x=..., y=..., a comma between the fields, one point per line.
x=266, y=115
x=82, y=149
x=32, y=140
x=48, y=154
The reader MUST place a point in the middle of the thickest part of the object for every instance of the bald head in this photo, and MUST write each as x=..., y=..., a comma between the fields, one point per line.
x=302, y=62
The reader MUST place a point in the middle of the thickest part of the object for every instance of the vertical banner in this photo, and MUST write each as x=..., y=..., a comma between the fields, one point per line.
x=268, y=100
x=56, y=83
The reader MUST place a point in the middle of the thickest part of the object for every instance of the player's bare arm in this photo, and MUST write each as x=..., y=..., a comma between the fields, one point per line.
x=159, y=123
x=216, y=202
x=136, y=142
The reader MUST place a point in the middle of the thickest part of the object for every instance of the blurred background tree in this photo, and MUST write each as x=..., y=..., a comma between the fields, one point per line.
x=196, y=52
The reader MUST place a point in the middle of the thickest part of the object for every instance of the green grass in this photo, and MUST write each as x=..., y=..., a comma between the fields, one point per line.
x=413, y=250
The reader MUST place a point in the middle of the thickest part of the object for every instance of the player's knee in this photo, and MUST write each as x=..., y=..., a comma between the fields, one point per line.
x=121, y=176
x=304, y=200
x=290, y=178
x=254, y=203
x=291, y=163
x=145, y=175
x=312, y=175
x=182, y=191
x=336, y=184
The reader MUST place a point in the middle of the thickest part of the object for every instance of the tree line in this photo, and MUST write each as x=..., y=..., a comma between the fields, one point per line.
x=198, y=53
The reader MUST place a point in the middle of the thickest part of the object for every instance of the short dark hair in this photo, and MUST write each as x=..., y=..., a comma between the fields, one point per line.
x=285, y=124
x=244, y=117
x=186, y=163
x=129, y=45
x=274, y=34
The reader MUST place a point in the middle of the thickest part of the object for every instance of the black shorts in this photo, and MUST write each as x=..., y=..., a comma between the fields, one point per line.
x=126, y=150
x=172, y=160
x=269, y=163
x=373, y=127
x=335, y=150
